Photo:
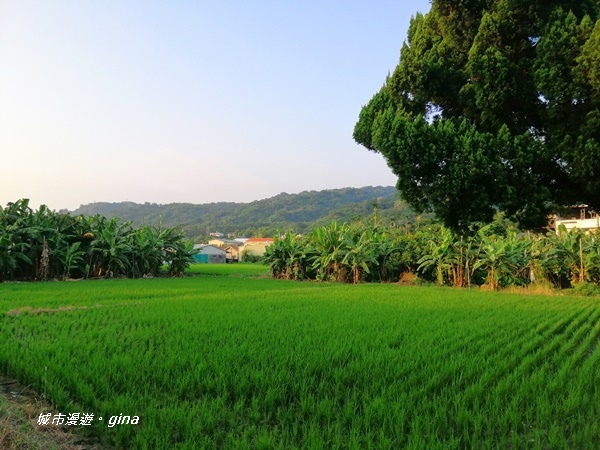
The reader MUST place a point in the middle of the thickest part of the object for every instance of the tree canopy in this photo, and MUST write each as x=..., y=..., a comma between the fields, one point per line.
x=494, y=106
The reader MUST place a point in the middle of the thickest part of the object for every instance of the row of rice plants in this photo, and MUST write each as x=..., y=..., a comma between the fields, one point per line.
x=235, y=362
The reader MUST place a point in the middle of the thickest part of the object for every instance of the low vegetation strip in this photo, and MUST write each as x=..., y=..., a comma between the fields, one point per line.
x=218, y=361
x=493, y=256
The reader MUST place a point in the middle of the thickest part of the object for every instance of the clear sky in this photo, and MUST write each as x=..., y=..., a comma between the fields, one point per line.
x=190, y=101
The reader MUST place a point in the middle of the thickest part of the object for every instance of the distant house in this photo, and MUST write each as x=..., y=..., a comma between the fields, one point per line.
x=209, y=254
x=230, y=246
x=221, y=242
x=578, y=216
x=232, y=253
x=255, y=247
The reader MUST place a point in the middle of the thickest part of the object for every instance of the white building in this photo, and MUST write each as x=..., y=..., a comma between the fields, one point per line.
x=579, y=217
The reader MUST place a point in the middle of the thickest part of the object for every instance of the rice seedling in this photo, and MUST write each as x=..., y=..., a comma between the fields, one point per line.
x=242, y=361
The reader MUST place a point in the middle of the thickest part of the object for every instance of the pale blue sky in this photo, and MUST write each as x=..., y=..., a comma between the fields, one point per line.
x=190, y=101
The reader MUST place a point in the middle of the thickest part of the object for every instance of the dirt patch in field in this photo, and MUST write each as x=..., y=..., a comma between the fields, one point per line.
x=20, y=408
x=37, y=311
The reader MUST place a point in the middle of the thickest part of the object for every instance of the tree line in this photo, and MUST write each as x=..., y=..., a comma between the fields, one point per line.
x=42, y=245
x=263, y=218
x=494, y=255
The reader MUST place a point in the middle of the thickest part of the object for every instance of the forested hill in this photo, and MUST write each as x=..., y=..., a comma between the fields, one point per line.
x=298, y=212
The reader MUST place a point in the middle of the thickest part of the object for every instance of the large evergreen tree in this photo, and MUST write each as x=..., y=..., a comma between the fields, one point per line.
x=495, y=105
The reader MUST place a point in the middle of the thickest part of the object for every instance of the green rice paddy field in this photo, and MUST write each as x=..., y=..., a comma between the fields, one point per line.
x=231, y=359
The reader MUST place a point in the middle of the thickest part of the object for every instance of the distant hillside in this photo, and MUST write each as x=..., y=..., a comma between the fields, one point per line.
x=298, y=212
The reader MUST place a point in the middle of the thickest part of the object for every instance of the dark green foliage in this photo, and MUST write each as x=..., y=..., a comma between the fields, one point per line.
x=496, y=255
x=260, y=218
x=495, y=105
x=43, y=244
x=289, y=257
x=361, y=251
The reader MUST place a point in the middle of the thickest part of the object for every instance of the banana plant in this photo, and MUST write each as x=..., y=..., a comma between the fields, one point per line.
x=44, y=244
x=503, y=258
x=147, y=251
x=592, y=259
x=110, y=249
x=288, y=257
x=330, y=244
x=11, y=256
x=461, y=260
x=179, y=252
x=359, y=254
x=440, y=255
x=275, y=258
x=73, y=259
x=565, y=257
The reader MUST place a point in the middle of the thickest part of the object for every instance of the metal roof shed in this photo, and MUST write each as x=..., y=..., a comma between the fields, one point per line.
x=209, y=254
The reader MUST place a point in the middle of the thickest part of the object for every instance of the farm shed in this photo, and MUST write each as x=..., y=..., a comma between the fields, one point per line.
x=209, y=254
